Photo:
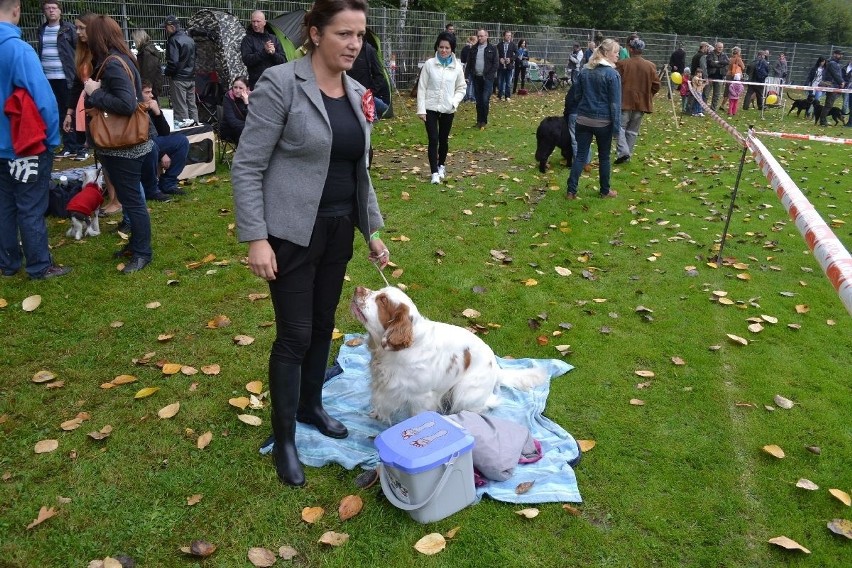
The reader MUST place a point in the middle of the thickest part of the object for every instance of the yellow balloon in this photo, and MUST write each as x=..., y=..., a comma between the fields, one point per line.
x=677, y=78
x=772, y=99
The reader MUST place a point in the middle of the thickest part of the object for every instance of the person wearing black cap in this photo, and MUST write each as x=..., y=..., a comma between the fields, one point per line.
x=180, y=68
x=639, y=83
x=834, y=75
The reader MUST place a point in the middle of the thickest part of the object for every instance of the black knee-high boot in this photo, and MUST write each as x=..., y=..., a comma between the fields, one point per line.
x=284, y=384
x=310, y=401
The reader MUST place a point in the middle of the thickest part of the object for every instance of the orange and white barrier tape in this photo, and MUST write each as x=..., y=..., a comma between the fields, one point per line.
x=829, y=252
x=785, y=86
x=810, y=137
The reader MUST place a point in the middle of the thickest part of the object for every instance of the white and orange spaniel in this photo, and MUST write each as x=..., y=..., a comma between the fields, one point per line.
x=418, y=364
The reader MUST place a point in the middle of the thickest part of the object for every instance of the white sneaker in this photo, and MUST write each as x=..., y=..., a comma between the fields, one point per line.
x=436, y=178
x=442, y=172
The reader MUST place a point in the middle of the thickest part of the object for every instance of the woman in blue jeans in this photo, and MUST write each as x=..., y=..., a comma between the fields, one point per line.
x=118, y=91
x=597, y=98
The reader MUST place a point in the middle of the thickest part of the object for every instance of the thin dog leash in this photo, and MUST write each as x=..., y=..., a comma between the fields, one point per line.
x=382, y=274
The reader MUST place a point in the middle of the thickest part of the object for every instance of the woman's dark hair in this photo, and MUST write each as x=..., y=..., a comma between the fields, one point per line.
x=103, y=35
x=241, y=78
x=522, y=42
x=820, y=61
x=322, y=12
x=447, y=37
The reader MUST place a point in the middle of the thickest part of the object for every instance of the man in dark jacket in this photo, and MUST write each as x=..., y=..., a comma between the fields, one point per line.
x=260, y=49
x=369, y=71
x=57, y=41
x=717, y=67
x=833, y=74
x=180, y=68
x=166, y=161
x=758, y=71
x=677, y=61
x=507, y=52
x=481, y=70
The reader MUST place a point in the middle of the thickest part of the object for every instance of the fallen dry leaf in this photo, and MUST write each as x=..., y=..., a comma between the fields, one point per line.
x=355, y=342
x=332, y=538
x=802, y=308
x=774, y=450
x=211, y=369
x=204, y=440
x=261, y=557
x=43, y=377
x=188, y=371
x=194, y=499
x=737, y=339
x=807, y=484
x=46, y=446
x=146, y=392
x=562, y=271
x=163, y=337
x=312, y=514
x=645, y=374
x=153, y=305
x=784, y=403
x=288, y=552
x=30, y=303
x=842, y=527
x=572, y=510
x=841, y=496
x=451, y=534
x=678, y=361
x=255, y=387
x=470, y=313
x=788, y=543
x=240, y=402
x=219, y=321
x=257, y=296
x=250, y=419
x=522, y=488
x=171, y=368
x=637, y=402
x=169, y=411
x=586, y=445
x=432, y=543
x=529, y=513
x=350, y=506
x=123, y=380
x=43, y=514
x=199, y=548
x=101, y=434
x=243, y=340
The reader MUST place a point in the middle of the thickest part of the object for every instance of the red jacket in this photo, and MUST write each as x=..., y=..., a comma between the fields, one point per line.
x=87, y=201
x=28, y=128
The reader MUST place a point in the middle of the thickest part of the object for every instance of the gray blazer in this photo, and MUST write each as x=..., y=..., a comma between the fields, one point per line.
x=282, y=160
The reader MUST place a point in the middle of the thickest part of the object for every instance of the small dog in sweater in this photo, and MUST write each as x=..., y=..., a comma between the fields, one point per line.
x=83, y=207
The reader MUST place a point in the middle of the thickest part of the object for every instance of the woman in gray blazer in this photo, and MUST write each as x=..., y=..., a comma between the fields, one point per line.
x=301, y=188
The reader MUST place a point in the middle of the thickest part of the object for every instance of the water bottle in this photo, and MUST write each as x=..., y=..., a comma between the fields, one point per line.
x=63, y=181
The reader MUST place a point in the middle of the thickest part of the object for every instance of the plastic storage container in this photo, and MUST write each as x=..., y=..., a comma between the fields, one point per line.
x=427, y=467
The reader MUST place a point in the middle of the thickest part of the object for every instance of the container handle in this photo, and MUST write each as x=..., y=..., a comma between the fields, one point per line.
x=391, y=496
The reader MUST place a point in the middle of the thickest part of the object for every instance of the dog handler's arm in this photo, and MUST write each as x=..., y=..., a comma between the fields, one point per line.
x=378, y=251
x=261, y=259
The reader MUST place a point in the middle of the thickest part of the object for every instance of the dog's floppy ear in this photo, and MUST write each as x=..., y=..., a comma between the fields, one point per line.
x=399, y=330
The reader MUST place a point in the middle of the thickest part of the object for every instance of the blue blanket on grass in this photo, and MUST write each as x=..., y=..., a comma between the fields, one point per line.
x=347, y=398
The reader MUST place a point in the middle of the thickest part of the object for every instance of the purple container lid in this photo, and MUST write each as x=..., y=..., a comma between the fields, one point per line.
x=422, y=442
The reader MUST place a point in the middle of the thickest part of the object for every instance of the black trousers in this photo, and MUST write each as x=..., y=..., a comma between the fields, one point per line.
x=438, y=126
x=307, y=287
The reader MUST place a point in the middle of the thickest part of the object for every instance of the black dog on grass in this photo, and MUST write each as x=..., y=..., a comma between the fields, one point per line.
x=835, y=113
x=800, y=105
x=552, y=133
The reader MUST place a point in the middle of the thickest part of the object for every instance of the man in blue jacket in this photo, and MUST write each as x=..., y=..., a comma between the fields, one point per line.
x=29, y=133
x=57, y=42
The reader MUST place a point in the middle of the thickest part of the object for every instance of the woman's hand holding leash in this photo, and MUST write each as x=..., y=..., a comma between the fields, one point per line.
x=379, y=254
x=261, y=259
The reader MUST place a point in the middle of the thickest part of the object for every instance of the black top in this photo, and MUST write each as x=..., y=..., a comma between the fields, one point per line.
x=347, y=147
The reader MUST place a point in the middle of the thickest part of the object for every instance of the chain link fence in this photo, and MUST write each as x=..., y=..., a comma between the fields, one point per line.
x=405, y=47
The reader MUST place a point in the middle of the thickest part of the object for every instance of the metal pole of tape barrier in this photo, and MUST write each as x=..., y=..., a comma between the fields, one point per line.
x=731, y=207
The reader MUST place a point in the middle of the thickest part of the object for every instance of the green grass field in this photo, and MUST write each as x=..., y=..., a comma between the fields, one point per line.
x=680, y=481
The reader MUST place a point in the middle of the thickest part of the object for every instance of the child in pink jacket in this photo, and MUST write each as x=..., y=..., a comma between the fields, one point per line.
x=735, y=91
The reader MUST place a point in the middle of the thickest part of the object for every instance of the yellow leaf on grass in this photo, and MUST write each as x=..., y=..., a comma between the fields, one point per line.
x=250, y=419
x=72, y=424
x=802, y=308
x=332, y=538
x=255, y=387
x=46, y=446
x=586, y=445
x=450, y=534
x=349, y=506
x=529, y=513
x=737, y=339
x=240, y=402
x=432, y=543
x=153, y=305
x=841, y=496
x=169, y=411
x=194, y=499
x=774, y=450
x=171, y=368
x=788, y=543
x=146, y=392
x=769, y=319
x=530, y=282
x=571, y=509
x=211, y=369
x=163, y=337
x=312, y=514
x=645, y=374
x=123, y=380
x=43, y=514
x=43, y=377
x=678, y=361
x=637, y=402
x=204, y=440
x=30, y=303
x=3, y=303
x=219, y=321
x=335, y=335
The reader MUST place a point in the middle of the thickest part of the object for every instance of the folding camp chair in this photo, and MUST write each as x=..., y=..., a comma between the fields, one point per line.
x=227, y=148
x=534, y=77
x=208, y=96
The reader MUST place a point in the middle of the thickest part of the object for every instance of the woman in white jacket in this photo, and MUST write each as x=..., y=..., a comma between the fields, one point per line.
x=439, y=91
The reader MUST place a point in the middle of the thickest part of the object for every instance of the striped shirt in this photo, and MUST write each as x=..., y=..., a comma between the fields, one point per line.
x=50, y=54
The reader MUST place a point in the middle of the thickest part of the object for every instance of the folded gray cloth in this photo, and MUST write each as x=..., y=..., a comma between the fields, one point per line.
x=499, y=445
